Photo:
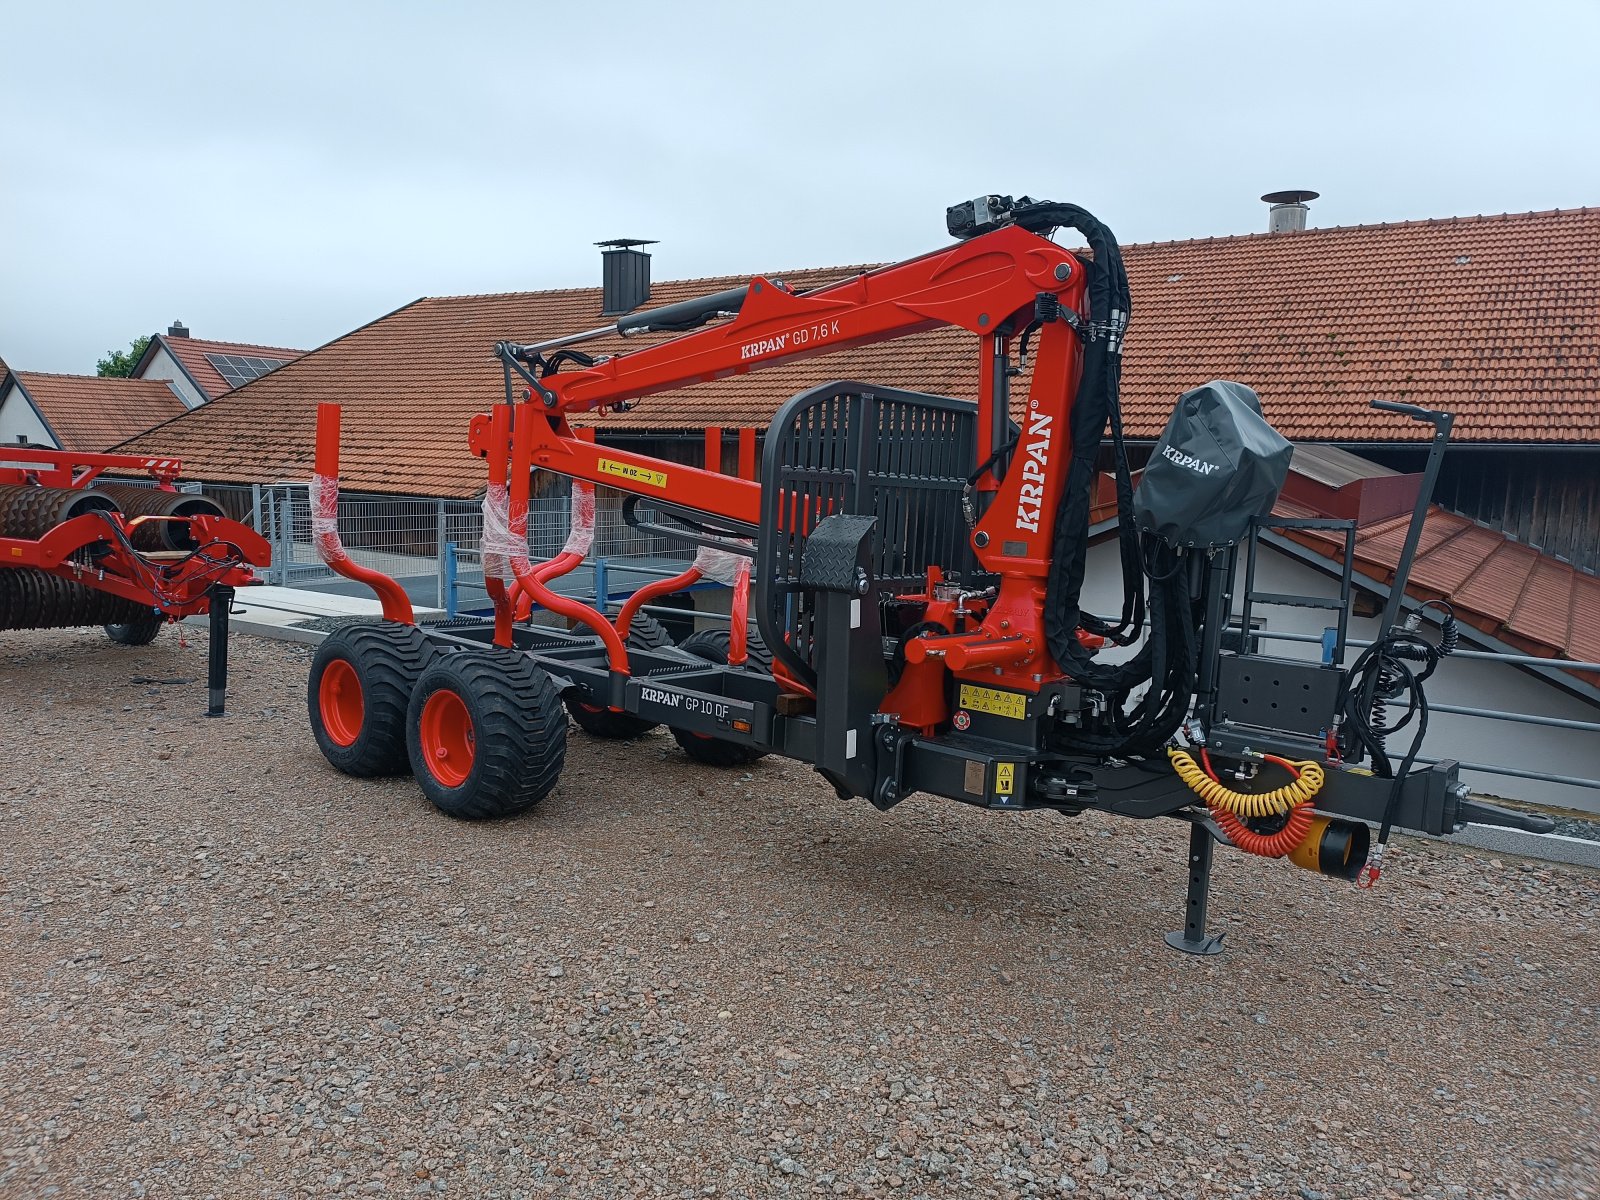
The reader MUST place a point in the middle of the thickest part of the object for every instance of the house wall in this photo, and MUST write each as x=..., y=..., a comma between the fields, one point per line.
x=1458, y=681
x=1545, y=497
x=18, y=419
x=163, y=366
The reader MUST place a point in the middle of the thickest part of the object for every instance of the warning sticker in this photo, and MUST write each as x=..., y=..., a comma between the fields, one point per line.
x=994, y=701
x=1005, y=777
x=622, y=470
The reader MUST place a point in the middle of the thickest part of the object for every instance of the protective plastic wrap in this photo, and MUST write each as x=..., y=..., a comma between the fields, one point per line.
x=498, y=544
x=1217, y=465
x=581, y=538
x=726, y=567
x=723, y=566
x=324, y=497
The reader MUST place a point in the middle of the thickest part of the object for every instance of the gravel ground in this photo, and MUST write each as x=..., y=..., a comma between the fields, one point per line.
x=229, y=971
x=1578, y=827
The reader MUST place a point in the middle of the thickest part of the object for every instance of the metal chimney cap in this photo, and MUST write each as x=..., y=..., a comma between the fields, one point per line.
x=627, y=243
x=1292, y=196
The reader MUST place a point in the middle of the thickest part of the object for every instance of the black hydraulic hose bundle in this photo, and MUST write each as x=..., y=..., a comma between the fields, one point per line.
x=1096, y=404
x=1383, y=674
x=1167, y=660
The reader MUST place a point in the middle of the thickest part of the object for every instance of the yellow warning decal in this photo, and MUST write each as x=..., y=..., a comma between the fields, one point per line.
x=1005, y=776
x=991, y=700
x=622, y=470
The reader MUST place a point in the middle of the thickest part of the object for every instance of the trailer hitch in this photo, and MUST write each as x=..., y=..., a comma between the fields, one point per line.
x=1480, y=812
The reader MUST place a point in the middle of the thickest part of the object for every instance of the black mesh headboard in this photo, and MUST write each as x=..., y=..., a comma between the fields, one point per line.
x=846, y=447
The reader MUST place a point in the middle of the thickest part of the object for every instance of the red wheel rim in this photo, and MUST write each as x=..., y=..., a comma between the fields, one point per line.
x=339, y=698
x=447, y=741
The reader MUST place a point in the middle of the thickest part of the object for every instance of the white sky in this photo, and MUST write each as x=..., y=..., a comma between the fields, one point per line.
x=283, y=172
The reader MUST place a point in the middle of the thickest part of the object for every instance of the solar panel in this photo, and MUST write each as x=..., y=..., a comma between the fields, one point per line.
x=240, y=369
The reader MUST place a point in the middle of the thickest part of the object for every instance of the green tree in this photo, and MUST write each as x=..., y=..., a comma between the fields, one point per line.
x=122, y=362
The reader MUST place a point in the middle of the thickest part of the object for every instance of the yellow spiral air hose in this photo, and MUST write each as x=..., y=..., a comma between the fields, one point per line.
x=1249, y=804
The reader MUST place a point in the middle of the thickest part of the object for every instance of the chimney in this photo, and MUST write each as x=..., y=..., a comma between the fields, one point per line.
x=1288, y=212
x=178, y=329
x=624, y=274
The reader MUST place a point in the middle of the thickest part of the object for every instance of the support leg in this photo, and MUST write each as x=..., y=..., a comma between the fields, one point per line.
x=217, y=678
x=1193, y=939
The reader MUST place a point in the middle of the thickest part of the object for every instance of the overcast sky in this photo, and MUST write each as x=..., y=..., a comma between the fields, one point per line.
x=281, y=173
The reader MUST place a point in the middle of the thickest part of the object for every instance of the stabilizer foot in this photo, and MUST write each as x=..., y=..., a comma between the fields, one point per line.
x=1193, y=938
x=1210, y=944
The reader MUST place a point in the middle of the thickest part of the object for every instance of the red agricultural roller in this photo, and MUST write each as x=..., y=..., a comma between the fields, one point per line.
x=77, y=550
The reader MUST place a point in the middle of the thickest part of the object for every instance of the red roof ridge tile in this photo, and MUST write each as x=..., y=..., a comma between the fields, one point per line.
x=582, y=289
x=844, y=268
x=1311, y=231
x=1527, y=582
x=112, y=379
x=1257, y=235
x=213, y=343
x=561, y=291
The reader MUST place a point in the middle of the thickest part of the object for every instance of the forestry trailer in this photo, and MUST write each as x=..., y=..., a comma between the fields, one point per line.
x=918, y=563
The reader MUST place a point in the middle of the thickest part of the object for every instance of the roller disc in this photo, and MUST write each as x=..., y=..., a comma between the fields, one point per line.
x=31, y=599
x=152, y=502
x=31, y=512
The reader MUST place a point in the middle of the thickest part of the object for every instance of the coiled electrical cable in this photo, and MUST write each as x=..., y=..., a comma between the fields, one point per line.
x=1384, y=672
x=1228, y=806
x=1307, y=782
x=1267, y=845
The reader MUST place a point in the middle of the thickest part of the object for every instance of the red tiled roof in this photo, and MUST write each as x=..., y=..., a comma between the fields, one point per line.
x=191, y=352
x=90, y=413
x=1510, y=591
x=409, y=383
x=1495, y=318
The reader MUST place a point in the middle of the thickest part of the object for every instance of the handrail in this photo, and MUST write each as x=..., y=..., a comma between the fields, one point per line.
x=1530, y=660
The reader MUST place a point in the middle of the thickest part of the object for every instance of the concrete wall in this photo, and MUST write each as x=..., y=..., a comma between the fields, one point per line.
x=1458, y=681
x=17, y=418
x=163, y=366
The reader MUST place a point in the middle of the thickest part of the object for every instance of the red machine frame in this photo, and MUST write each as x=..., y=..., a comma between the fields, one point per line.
x=987, y=286
x=175, y=589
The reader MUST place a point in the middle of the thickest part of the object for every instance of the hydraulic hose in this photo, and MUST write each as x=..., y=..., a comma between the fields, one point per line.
x=1228, y=806
x=1307, y=782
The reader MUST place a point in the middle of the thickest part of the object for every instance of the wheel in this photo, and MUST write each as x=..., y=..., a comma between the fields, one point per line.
x=712, y=645
x=644, y=633
x=361, y=681
x=486, y=734
x=135, y=633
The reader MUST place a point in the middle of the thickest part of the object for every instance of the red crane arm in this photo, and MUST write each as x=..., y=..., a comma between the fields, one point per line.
x=981, y=285
x=975, y=285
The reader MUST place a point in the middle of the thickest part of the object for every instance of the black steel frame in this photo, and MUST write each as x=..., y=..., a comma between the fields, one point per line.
x=861, y=494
